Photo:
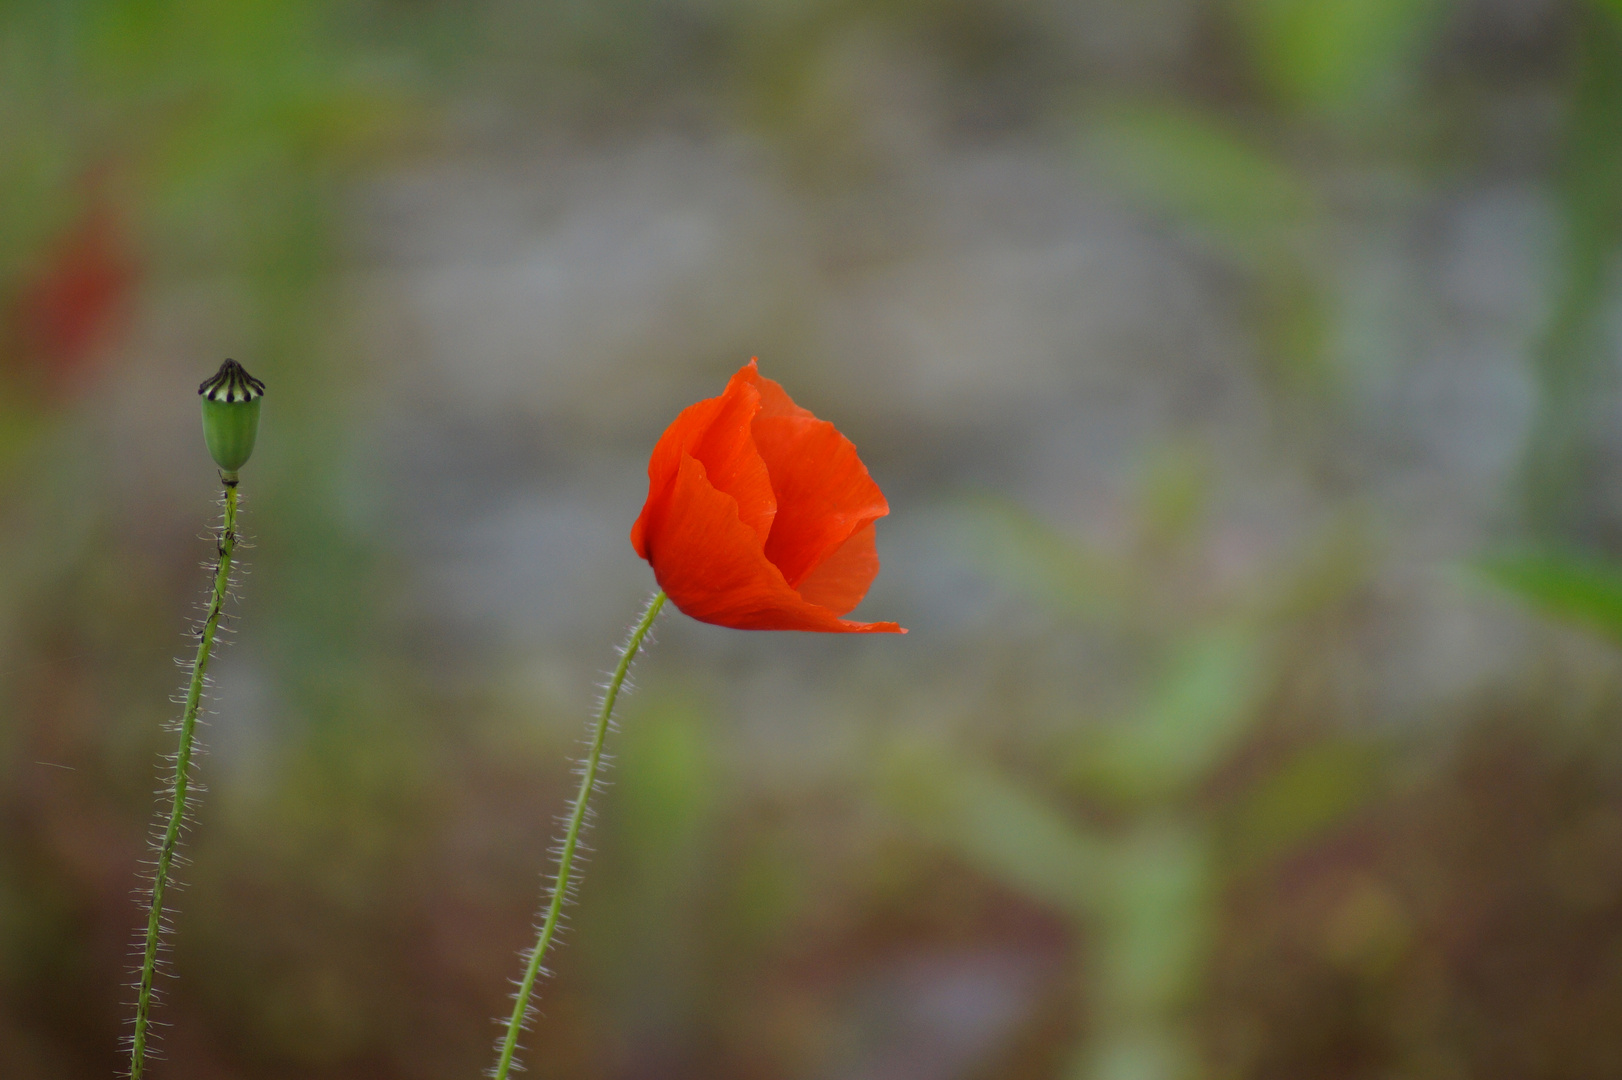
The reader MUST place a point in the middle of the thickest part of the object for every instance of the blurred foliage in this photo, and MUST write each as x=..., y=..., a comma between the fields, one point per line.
x=1574, y=358
x=1581, y=589
x=1119, y=831
x=1255, y=207
x=1189, y=165
x=1339, y=55
x=1150, y=818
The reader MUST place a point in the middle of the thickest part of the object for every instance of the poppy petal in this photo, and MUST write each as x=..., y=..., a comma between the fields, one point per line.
x=824, y=492
x=665, y=462
x=774, y=400
x=714, y=567
x=839, y=581
x=716, y=431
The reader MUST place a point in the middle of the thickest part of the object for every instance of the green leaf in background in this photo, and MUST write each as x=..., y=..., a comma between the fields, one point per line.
x=1256, y=207
x=1025, y=553
x=645, y=905
x=1175, y=494
x=1310, y=794
x=1573, y=357
x=996, y=825
x=1149, y=1052
x=1190, y=720
x=1577, y=588
x=1333, y=54
x=1158, y=918
x=1185, y=164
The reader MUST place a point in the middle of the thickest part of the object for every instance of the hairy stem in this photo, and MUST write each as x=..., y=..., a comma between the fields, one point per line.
x=571, y=838
x=226, y=546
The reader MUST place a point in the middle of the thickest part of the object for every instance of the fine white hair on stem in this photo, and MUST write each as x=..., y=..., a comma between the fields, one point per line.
x=180, y=790
x=569, y=849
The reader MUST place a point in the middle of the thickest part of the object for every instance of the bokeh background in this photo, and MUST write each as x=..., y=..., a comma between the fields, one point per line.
x=1243, y=375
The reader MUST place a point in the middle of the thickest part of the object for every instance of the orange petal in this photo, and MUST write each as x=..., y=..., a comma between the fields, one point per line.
x=824, y=492
x=839, y=581
x=774, y=400
x=717, y=432
x=714, y=567
x=731, y=460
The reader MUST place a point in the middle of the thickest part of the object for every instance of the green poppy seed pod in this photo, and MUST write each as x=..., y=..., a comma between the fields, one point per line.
x=231, y=416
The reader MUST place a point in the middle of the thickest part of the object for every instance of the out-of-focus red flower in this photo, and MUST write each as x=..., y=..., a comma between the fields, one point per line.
x=73, y=301
x=759, y=515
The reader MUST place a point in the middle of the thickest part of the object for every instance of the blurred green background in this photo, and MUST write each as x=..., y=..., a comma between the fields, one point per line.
x=1243, y=376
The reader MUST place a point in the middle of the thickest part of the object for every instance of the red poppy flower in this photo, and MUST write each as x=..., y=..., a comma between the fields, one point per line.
x=760, y=516
x=77, y=297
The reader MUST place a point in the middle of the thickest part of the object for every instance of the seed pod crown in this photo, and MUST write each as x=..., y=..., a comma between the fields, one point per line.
x=230, y=384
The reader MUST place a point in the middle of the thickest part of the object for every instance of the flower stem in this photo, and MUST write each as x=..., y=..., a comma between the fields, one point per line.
x=571, y=838
x=226, y=546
